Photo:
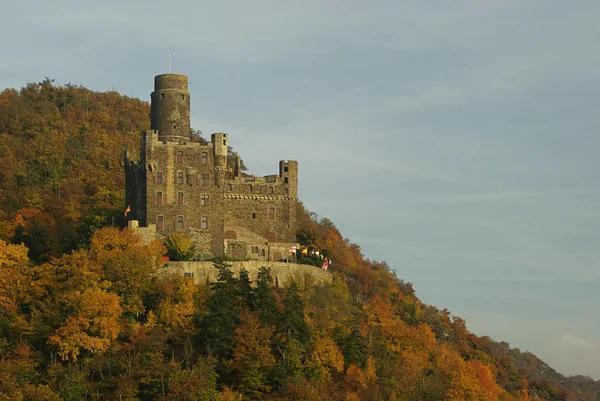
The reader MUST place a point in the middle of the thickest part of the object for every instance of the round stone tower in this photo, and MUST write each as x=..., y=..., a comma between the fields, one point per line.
x=171, y=107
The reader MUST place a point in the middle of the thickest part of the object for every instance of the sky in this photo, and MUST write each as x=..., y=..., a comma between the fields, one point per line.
x=455, y=140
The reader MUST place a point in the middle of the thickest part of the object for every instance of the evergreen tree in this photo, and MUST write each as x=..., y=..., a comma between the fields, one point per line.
x=264, y=299
x=217, y=328
x=293, y=325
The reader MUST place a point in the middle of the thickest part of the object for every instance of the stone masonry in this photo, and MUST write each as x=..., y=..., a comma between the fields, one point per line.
x=182, y=183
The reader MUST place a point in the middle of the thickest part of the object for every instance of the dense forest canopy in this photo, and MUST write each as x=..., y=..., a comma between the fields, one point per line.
x=88, y=312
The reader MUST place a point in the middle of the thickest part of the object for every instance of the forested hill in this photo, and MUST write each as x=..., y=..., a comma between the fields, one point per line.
x=84, y=316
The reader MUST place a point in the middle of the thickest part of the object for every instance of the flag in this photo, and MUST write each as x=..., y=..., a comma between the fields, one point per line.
x=330, y=261
x=317, y=253
x=312, y=251
x=304, y=251
x=127, y=210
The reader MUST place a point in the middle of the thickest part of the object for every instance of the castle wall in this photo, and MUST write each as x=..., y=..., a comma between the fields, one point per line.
x=283, y=273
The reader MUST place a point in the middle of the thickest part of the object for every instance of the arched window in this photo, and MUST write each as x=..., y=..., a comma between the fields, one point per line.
x=230, y=234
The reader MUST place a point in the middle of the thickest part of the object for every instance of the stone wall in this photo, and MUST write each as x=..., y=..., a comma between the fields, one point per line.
x=283, y=273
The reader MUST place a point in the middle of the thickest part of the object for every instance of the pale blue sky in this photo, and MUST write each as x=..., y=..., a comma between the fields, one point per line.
x=456, y=140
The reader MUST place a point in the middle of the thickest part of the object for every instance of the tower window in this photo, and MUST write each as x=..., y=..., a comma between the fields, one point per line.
x=271, y=213
x=285, y=169
x=262, y=252
x=160, y=222
x=286, y=191
x=159, y=198
x=204, y=180
x=285, y=180
x=179, y=154
x=180, y=198
x=254, y=249
x=159, y=177
x=204, y=200
x=182, y=97
x=230, y=187
x=162, y=96
x=180, y=177
x=204, y=157
x=270, y=190
x=204, y=223
x=253, y=215
x=180, y=222
x=224, y=142
x=174, y=126
x=250, y=187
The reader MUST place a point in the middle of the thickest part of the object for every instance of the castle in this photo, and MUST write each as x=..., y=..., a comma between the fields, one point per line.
x=181, y=183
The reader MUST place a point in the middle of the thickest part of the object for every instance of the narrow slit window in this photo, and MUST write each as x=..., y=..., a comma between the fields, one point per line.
x=180, y=198
x=271, y=213
x=159, y=198
x=180, y=222
x=179, y=153
x=204, y=157
x=159, y=177
x=204, y=222
x=160, y=222
x=180, y=177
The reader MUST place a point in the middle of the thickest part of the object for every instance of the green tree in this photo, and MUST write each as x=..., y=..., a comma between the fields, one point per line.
x=180, y=247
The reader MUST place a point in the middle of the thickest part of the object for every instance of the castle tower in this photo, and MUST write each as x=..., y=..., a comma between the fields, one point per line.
x=221, y=146
x=171, y=107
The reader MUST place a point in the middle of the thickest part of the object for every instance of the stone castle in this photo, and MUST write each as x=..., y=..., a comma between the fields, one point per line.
x=181, y=183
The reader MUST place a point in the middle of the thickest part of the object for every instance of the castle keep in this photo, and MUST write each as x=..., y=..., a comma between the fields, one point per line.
x=182, y=183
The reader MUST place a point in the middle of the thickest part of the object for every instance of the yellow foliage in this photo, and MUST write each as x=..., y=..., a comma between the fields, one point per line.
x=327, y=355
x=92, y=328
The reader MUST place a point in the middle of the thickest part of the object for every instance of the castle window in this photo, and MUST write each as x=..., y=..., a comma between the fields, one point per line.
x=286, y=191
x=180, y=198
x=204, y=223
x=270, y=190
x=224, y=142
x=204, y=180
x=159, y=177
x=285, y=169
x=262, y=252
x=253, y=215
x=180, y=177
x=174, y=126
x=162, y=96
x=254, y=249
x=188, y=274
x=204, y=200
x=271, y=212
x=180, y=222
x=160, y=222
x=204, y=157
x=285, y=180
x=230, y=187
x=159, y=198
x=179, y=155
x=182, y=97
x=251, y=187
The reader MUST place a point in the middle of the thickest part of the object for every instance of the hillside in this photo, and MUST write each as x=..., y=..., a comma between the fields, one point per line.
x=82, y=316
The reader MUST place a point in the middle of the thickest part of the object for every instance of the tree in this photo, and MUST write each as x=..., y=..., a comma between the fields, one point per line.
x=252, y=357
x=180, y=247
x=293, y=325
